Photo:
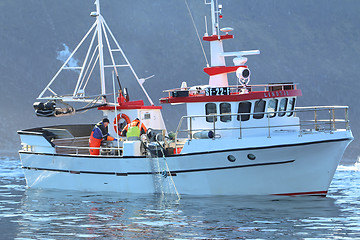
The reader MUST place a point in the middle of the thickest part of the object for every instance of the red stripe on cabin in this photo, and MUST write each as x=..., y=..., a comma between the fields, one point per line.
x=216, y=37
x=233, y=97
x=129, y=103
x=139, y=104
x=221, y=69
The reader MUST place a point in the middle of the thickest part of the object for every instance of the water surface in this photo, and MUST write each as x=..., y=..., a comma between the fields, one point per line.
x=49, y=214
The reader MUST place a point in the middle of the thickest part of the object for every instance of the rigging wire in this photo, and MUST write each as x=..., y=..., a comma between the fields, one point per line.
x=197, y=33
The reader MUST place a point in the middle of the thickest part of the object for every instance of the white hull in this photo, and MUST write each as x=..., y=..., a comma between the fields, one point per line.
x=239, y=140
x=289, y=168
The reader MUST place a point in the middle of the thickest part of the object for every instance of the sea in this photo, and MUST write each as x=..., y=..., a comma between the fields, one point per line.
x=54, y=214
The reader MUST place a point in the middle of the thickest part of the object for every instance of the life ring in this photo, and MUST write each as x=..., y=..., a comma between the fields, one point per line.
x=118, y=122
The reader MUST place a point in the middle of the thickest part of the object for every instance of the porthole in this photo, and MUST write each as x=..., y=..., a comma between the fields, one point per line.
x=231, y=158
x=251, y=156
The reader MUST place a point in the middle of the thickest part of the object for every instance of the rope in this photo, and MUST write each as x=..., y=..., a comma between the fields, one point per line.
x=92, y=102
x=197, y=33
x=172, y=180
x=167, y=167
x=166, y=172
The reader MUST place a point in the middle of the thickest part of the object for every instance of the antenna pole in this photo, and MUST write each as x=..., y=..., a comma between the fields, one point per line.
x=213, y=17
x=206, y=28
x=101, y=46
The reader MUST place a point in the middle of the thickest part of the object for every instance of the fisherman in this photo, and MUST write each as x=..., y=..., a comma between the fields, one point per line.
x=133, y=130
x=99, y=133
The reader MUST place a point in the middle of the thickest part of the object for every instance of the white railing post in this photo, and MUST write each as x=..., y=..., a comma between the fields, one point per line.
x=333, y=116
x=268, y=117
x=240, y=120
x=330, y=117
x=190, y=126
x=214, y=125
x=347, y=119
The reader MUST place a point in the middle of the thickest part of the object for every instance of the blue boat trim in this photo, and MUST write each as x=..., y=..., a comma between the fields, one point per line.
x=173, y=173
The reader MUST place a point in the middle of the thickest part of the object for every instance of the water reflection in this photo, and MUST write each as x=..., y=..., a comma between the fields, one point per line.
x=51, y=214
x=150, y=216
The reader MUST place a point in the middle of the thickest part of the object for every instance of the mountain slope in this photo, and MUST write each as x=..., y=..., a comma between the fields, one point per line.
x=314, y=43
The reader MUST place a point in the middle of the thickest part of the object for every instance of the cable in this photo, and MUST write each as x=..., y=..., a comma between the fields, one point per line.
x=197, y=33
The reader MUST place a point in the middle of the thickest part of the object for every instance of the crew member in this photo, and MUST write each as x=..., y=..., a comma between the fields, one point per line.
x=99, y=133
x=133, y=130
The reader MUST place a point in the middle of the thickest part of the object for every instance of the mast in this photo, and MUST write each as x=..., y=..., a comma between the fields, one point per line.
x=94, y=56
x=101, y=46
x=218, y=70
x=216, y=49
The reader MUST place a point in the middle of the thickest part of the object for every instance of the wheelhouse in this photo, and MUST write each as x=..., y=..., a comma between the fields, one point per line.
x=229, y=108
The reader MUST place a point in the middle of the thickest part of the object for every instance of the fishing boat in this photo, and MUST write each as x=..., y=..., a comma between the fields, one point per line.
x=238, y=139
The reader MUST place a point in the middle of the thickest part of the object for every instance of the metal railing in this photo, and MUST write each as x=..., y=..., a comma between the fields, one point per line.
x=332, y=115
x=314, y=119
x=324, y=119
x=76, y=149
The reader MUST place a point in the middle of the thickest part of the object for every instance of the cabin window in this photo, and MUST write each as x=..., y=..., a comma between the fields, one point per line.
x=147, y=116
x=244, y=107
x=282, y=106
x=225, y=108
x=291, y=106
x=272, y=106
x=210, y=109
x=259, y=107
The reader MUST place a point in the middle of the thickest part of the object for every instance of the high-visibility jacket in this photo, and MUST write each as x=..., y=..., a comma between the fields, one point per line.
x=134, y=129
x=99, y=133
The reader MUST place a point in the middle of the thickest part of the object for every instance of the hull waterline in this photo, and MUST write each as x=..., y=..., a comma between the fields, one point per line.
x=296, y=169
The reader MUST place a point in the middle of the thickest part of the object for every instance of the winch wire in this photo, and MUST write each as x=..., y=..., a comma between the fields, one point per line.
x=197, y=33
